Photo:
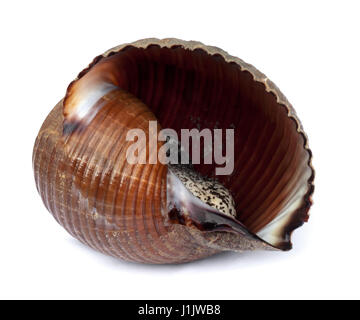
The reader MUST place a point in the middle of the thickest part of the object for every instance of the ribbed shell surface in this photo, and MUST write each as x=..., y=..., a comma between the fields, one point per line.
x=103, y=201
x=119, y=208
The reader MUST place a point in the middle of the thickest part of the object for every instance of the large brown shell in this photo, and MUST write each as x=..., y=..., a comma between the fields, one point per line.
x=120, y=209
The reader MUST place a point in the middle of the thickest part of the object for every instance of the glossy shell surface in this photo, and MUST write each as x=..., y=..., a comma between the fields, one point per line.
x=121, y=209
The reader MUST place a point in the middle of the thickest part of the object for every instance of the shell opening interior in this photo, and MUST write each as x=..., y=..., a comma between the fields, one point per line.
x=188, y=89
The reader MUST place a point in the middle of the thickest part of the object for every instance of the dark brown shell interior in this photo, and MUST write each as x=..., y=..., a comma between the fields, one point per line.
x=185, y=89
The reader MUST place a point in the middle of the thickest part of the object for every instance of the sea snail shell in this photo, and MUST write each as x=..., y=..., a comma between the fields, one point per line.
x=146, y=212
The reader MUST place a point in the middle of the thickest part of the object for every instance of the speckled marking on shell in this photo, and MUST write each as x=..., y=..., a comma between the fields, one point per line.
x=207, y=190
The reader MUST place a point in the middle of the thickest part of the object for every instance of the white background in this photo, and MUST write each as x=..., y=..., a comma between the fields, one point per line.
x=310, y=49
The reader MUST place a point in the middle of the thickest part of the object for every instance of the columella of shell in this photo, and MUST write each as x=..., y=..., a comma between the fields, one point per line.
x=156, y=212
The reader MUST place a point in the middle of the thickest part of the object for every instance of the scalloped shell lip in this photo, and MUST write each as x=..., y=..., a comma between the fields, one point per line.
x=302, y=213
